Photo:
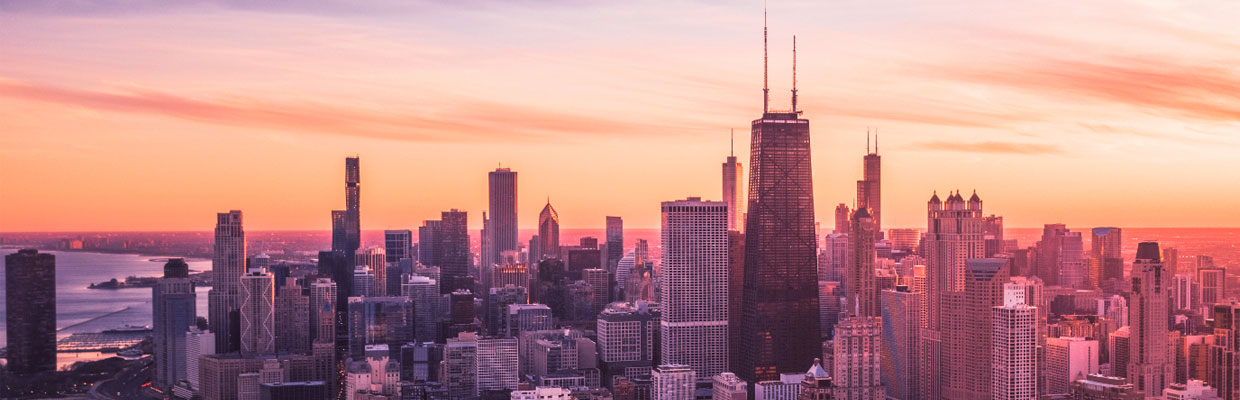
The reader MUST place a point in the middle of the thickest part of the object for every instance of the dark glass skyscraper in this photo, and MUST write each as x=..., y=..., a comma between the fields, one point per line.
x=779, y=320
x=615, y=242
x=30, y=311
x=444, y=243
x=173, y=309
x=352, y=222
x=503, y=208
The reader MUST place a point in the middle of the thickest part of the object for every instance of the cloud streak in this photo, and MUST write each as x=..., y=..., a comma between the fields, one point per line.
x=992, y=147
x=465, y=121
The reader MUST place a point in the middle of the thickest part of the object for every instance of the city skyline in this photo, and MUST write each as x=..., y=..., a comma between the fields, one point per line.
x=1048, y=105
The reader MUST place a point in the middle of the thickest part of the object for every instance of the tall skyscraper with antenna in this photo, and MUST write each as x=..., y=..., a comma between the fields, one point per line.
x=779, y=323
x=869, y=188
x=732, y=189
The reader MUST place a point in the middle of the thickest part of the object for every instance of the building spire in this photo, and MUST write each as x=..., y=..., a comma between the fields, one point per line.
x=875, y=140
x=867, y=140
x=766, y=90
x=794, y=74
x=732, y=144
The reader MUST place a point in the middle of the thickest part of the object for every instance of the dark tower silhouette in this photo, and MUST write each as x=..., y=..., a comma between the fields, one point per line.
x=352, y=192
x=30, y=316
x=779, y=310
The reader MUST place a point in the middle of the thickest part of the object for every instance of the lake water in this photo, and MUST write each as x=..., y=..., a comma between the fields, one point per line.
x=79, y=309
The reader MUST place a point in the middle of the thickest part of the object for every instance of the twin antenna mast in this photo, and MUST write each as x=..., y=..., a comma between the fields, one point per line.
x=766, y=90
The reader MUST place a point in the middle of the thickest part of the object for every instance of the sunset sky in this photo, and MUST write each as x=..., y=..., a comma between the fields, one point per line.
x=145, y=115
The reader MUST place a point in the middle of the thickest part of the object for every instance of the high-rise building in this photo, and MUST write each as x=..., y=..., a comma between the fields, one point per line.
x=424, y=293
x=375, y=259
x=628, y=336
x=833, y=259
x=992, y=233
x=869, y=188
x=496, y=305
x=502, y=204
x=733, y=192
x=968, y=329
x=857, y=361
x=292, y=321
x=227, y=266
x=398, y=244
x=1185, y=293
x=1192, y=357
x=953, y=235
x=905, y=239
x=694, y=278
x=258, y=330
x=323, y=310
x=197, y=343
x=548, y=232
x=1225, y=352
x=379, y=320
x=779, y=311
x=1014, y=347
x=1149, y=368
x=352, y=205
x=460, y=366
x=901, y=324
x=842, y=218
x=600, y=282
x=445, y=244
x=614, y=243
x=1061, y=258
x=497, y=364
x=420, y=361
x=726, y=386
x=673, y=382
x=526, y=317
x=1105, y=256
x=787, y=387
x=1213, y=284
x=174, y=307
x=1192, y=389
x=1069, y=359
x=1118, y=348
x=860, y=283
x=363, y=282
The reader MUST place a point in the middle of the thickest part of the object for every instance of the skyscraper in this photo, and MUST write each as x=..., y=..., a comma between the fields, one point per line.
x=497, y=364
x=292, y=321
x=615, y=243
x=1149, y=367
x=548, y=232
x=842, y=214
x=424, y=292
x=1069, y=359
x=502, y=204
x=460, y=366
x=968, y=329
x=953, y=235
x=445, y=244
x=398, y=244
x=227, y=266
x=732, y=192
x=376, y=260
x=857, y=362
x=1105, y=256
x=779, y=320
x=30, y=311
x=173, y=312
x=901, y=325
x=1014, y=342
x=258, y=330
x=1225, y=352
x=352, y=205
x=627, y=338
x=860, y=283
x=694, y=285
x=323, y=310
x=869, y=188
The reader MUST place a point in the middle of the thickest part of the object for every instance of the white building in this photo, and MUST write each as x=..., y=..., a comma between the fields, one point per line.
x=542, y=393
x=1014, y=342
x=788, y=387
x=363, y=282
x=258, y=329
x=694, y=285
x=1069, y=359
x=497, y=364
x=376, y=374
x=1193, y=390
x=197, y=343
x=673, y=382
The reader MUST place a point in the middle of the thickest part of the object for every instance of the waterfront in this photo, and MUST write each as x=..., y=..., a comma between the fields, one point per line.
x=80, y=310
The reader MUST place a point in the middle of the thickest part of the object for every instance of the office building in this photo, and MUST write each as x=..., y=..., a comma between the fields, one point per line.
x=363, y=282
x=527, y=317
x=292, y=321
x=694, y=324
x=197, y=343
x=1100, y=387
x=860, y=283
x=375, y=260
x=323, y=310
x=869, y=188
x=817, y=384
x=1069, y=359
x=614, y=243
x=1225, y=351
x=779, y=312
x=1105, y=245
x=445, y=244
x=1149, y=367
x=733, y=192
x=1213, y=284
x=787, y=387
x=497, y=363
x=227, y=266
x=548, y=232
x=174, y=310
x=502, y=204
x=857, y=360
x=726, y=386
x=968, y=337
x=954, y=234
x=398, y=244
x=1014, y=347
x=628, y=339
x=673, y=382
x=901, y=309
x=258, y=330
x=379, y=320
x=460, y=366
x=423, y=292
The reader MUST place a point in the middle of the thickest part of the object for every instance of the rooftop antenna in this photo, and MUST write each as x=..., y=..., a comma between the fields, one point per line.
x=732, y=144
x=867, y=140
x=766, y=95
x=875, y=140
x=794, y=74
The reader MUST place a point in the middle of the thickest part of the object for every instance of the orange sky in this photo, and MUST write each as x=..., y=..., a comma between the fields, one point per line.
x=141, y=115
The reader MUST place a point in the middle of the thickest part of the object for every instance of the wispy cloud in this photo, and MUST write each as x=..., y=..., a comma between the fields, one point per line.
x=465, y=120
x=991, y=147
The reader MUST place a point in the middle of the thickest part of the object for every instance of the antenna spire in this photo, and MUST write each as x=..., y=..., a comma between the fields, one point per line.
x=794, y=74
x=875, y=140
x=867, y=140
x=766, y=95
x=732, y=144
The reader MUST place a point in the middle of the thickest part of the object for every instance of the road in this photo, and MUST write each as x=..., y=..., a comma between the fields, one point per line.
x=130, y=383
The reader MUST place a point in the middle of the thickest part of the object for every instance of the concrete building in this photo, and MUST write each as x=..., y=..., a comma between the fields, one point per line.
x=497, y=364
x=954, y=234
x=857, y=359
x=787, y=387
x=1099, y=387
x=258, y=329
x=174, y=308
x=1069, y=359
x=673, y=382
x=726, y=386
x=1014, y=341
x=628, y=340
x=292, y=322
x=817, y=384
x=227, y=266
x=460, y=366
x=1150, y=368
x=694, y=286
